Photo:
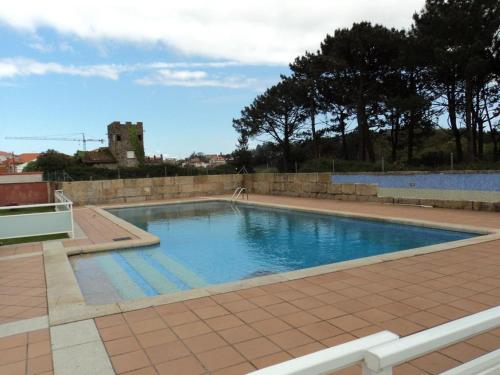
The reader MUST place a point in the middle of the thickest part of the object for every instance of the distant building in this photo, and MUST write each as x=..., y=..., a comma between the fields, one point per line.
x=126, y=143
x=205, y=161
x=11, y=163
x=125, y=147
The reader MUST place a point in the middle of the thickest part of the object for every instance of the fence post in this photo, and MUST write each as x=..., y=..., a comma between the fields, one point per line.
x=333, y=165
x=383, y=167
x=451, y=160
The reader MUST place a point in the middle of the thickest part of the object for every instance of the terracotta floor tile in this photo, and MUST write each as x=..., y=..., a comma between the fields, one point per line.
x=12, y=355
x=426, y=319
x=320, y=330
x=40, y=364
x=254, y=315
x=115, y=332
x=398, y=309
x=220, y=358
x=486, y=341
x=143, y=371
x=306, y=349
x=239, y=334
x=147, y=325
x=401, y=326
x=420, y=302
x=270, y=326
x=224, y=322
x=242, y=368
x=448, y=312
x=177, y=319
x=121, y=346
x=199, y=303
x=337, y=340
x=138, y=315
x=408, y=369
x=265, y=300
x=130, y=361
x=271, y=359
x=226, y=297
x=167, y=352
x=210, y=312
x=38, y=349
x=203, y=343
x=463, y=352
x=171, y=308
x=300, y=319
x=13, y=341
x=375, y=315
x=239, y=306
x=435, y=363
x=17, y=368
x=290, y=339
x=256, y=348
x=307, y=303
x=109, y=321
x=161, y=336
x=38, y=335
x=182, y=366
x=191, y=329
x=349, y=323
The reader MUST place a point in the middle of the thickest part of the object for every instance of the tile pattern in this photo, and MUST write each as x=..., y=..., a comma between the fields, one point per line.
x=20, y=249
x=236, y=332
x=97, y=228
x=22, y=289
x=26, y=354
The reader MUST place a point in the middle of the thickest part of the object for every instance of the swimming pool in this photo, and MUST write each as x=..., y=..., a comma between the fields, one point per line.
x=215, y=242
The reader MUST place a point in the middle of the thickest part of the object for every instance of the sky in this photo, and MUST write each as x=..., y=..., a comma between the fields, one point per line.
x=183, y=68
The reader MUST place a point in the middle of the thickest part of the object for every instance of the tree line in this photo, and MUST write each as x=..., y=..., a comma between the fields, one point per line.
x=369, y=82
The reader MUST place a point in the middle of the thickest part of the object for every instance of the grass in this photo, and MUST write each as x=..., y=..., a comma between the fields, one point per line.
x=14, y=241
x=19, y=211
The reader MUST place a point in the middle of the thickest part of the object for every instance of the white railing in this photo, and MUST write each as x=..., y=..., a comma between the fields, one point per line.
x=379, y=358
x=60, y=220
x=332, y=359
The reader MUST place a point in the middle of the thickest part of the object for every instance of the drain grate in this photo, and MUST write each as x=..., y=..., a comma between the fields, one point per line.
x=122, y=238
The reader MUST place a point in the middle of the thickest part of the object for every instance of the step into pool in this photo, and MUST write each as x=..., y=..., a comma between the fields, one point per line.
x=206, y=243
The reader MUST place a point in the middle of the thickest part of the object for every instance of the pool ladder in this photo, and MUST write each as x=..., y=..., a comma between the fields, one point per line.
x=238, y=192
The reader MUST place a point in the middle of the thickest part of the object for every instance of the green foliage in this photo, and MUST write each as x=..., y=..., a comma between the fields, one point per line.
x=138, y=148
x=50, y=161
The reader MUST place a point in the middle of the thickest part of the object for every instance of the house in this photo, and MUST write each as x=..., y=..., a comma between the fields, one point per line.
x=22, y=160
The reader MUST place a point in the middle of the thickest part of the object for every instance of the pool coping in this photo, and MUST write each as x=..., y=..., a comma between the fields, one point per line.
x=66, y=302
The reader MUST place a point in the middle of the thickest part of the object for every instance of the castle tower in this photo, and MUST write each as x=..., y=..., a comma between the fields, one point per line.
x=126, y=143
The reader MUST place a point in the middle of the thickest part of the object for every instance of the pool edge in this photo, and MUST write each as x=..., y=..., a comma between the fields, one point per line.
x=66, y=302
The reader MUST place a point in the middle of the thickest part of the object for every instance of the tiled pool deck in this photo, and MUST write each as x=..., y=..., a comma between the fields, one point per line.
x=239, y=331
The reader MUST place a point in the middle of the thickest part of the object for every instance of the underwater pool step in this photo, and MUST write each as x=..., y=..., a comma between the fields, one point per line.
x=186, y=276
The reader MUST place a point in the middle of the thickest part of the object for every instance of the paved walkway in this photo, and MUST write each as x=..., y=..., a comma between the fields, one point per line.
x=237, y=332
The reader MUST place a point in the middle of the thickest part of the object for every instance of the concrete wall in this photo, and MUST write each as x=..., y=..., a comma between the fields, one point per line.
x=145, y=189
x=24, y=193
x=21, y=177
x=308, y=185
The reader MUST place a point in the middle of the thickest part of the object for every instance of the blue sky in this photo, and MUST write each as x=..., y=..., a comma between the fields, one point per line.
x=185, y=70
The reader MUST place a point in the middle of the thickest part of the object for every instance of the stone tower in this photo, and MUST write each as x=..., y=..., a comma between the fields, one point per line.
x=126, y=143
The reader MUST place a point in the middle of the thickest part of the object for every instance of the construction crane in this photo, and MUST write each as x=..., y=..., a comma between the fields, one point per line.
x=83, y=139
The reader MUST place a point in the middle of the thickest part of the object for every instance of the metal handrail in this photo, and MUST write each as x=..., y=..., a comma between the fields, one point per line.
x=237, y=193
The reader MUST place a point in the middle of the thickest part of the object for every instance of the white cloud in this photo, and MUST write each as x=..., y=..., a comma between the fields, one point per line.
x=10, y=68
x=258, y=31
x=196, y=78
x=157, y=73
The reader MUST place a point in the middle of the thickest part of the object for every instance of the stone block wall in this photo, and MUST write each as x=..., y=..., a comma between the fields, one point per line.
x=146, y=189
x=308, y=185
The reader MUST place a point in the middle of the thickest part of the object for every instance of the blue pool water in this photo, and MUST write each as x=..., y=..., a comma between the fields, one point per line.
x=216, y=242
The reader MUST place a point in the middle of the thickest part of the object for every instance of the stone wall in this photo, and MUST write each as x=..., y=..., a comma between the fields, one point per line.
x=308, y=185
x=146, y=189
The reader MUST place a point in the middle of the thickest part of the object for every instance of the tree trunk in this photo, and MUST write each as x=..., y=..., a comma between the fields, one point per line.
x=394, y=137
x=342, y=125
x=493, y=131
x=314, y=135
x=452, y=112
x=411, y=135
x=366, y=145
x=468, y=120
